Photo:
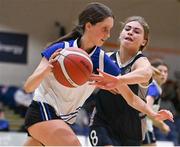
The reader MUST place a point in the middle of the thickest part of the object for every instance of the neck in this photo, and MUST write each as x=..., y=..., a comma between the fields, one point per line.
x=125, y=54
x=86, y=45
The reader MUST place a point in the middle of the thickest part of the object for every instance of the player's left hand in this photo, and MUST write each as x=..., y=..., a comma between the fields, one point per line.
x=164, y=115
x=104, y=80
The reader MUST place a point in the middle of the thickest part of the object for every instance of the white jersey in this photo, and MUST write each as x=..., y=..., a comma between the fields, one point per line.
x=67, y=101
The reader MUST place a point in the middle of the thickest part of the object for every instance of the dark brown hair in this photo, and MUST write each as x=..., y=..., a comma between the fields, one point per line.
x=94, y=12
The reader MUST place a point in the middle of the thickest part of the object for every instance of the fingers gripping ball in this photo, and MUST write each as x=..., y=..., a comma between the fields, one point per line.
x=73, y=67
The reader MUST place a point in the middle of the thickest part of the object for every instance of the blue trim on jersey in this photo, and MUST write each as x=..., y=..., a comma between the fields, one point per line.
x=109, y=66
x=67, y=115
x=153, y=91
x=71, y=43
x=51, y=49
x=71, y=118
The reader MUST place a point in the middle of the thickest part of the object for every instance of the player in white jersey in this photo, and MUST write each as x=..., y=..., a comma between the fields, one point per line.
x=153, y=100
x=54, y=106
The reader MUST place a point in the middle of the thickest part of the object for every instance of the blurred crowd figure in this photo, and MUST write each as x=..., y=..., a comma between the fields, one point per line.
x=171, y=101
x=4, y=123
x=15, y=99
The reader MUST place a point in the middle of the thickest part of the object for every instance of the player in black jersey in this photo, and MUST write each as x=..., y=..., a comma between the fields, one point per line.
x=115, y=121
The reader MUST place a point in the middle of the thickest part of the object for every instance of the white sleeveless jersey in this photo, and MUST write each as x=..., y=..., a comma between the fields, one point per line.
x=67, y=101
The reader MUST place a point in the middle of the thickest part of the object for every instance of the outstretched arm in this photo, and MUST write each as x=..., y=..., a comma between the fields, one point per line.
x=137, y=103
x=109, y=82
x=140, y=74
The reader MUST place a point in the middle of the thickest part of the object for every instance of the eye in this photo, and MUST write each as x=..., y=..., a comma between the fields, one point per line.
x=106, y=30
x=127, y=28
x=137, y=31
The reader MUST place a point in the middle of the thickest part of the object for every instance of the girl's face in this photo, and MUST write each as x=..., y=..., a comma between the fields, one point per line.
x=132, y=36
x=164, y=73
x=97, y=34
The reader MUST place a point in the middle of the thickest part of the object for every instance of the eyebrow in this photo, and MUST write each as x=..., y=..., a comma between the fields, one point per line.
x=133, y=27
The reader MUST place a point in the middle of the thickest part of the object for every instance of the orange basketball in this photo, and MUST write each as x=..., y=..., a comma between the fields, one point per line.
x=73, y=67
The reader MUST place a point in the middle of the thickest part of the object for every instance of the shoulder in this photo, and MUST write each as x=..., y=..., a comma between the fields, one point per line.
x=139, y=58
x=140, y=62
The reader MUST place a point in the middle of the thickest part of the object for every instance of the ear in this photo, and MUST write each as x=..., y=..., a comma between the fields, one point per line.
x=144, y=42
x=88, y=25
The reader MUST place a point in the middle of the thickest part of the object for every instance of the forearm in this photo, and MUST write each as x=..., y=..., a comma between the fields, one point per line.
x=33, y=81
x=135, y=101
x=43, y=69
x=137, y=76
x=141, y=106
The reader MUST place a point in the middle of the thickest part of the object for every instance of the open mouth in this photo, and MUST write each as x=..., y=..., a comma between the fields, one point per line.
x=128, y=38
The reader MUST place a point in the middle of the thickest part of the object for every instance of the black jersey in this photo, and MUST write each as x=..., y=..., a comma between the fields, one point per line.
x=113, y=111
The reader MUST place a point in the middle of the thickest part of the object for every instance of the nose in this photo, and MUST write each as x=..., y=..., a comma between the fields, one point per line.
x=108, y=34
x=130, y=32
x=163, y=74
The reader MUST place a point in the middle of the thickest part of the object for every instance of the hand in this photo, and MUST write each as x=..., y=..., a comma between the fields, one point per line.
x=47, y=66
x=104, y=80
x=54, y=55
x=164, y=115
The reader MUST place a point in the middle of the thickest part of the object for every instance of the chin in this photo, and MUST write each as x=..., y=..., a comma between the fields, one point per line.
x=100, y=44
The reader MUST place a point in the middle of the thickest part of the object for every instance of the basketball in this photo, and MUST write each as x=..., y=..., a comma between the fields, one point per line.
x=73, y=67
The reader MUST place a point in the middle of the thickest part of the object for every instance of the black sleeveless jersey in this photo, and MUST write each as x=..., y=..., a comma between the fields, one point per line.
x=113, y=111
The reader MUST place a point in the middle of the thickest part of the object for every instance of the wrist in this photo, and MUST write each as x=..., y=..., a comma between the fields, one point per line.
x=152, y=114
x=120, y=80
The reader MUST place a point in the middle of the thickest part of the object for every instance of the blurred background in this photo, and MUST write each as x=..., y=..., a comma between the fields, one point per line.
x=27, y=26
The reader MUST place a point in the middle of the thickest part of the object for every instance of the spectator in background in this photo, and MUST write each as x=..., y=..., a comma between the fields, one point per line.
x=7, y=95
x=176, y=102
x=23, y=100
x=4, y=124
x=177, y=106
x=160, y=74
x=168, y=95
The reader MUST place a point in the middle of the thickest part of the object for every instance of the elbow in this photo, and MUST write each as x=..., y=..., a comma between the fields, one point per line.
x=27, y=89
x=148, y=72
